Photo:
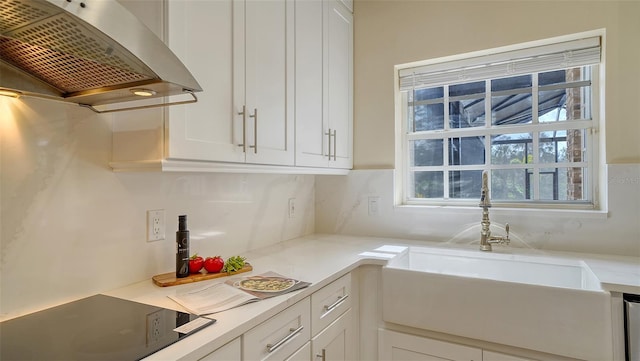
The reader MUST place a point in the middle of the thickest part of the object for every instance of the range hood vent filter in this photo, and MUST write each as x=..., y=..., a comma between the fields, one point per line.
x=65, y=72
x=89, y=64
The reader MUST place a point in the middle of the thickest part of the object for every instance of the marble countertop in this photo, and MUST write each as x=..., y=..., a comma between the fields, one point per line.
x=321, y=259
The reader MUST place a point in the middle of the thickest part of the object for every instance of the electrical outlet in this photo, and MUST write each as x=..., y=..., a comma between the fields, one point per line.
x=155, y=225
x=155, y=327
x=374, y=203
x=292, y=207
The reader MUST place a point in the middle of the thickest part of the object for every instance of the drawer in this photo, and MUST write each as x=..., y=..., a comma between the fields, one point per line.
x=280, y=336
x=329, y=302
x=230, y=351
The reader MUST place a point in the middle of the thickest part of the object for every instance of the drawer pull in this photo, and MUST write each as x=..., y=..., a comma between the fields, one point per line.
x=335, y=141
x=255, y=130
x=328, y=134
x=294, y=332
x=323, y=355
x=335, y=304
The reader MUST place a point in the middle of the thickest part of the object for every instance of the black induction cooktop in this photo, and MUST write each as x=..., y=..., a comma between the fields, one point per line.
x=94, y=328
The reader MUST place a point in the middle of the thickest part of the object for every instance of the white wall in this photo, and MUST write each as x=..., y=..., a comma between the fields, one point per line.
x=71, y=227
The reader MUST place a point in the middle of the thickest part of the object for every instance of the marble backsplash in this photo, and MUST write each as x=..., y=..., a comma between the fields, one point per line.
x=342, y=206
x=71, y=227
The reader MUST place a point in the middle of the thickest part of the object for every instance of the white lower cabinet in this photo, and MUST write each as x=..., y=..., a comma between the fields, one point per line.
x=335, y=343
x=396, y=346
x=280, y=336
x=332, y=322
x=318, y=328
x=303, y=354
x=228, y=352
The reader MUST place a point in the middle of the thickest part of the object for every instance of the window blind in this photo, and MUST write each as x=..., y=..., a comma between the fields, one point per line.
x=504, y=64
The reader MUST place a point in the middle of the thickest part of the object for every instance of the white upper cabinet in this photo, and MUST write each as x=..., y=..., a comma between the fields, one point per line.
x=339, y=81
x=311, y=140
x=201, y=33
x=240, y=52
x=268, y=78
x=324, y=84
x=277, y=90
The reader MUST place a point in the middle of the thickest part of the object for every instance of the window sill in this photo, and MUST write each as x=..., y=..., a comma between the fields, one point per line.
x=533, y=212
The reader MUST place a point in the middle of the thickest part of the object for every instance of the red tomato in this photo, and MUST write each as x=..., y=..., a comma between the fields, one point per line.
x=195, y=263
x=213, y=264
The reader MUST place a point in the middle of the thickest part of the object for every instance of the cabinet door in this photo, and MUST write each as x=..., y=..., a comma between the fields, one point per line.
x=268, y=84
x=311, y=140
x=395, y=346
x=230, y=351
x=324, y=84
x=335, y=343
x=201, y=34
x=303, y=354
x=338, y=59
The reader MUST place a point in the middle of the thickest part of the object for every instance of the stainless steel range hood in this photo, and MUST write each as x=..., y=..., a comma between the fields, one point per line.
x=91, y=52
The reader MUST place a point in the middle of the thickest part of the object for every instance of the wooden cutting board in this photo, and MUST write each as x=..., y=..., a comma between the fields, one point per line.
x=170, y=279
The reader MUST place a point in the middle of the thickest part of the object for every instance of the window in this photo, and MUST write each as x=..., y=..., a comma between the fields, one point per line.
x=528, y=116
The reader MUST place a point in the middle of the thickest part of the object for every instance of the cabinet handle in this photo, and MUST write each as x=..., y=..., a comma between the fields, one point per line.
x=323, y=355
x=293, y=333
x=335, y=141
x=244, y=129
x=255, y=130
x=328, y=134
x=335, y=304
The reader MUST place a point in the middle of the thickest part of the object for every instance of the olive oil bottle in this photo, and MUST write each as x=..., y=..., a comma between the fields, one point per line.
x=182, y=252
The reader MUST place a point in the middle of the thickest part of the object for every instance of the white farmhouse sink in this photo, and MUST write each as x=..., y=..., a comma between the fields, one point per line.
x=535, y=270
x=548, y=304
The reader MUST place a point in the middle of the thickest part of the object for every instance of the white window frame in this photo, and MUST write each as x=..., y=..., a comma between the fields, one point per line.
x=596, y=179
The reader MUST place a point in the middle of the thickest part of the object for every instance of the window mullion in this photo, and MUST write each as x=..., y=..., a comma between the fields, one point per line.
x=407, y=180
x=445, y=144
x=488, y=117
x=445, y=166
x=445, y=101
x=534, y=99
x=536, y=138
x=535, y=165
x=487, y=123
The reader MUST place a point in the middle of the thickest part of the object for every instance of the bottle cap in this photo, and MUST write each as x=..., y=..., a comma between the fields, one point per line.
x=182, y=223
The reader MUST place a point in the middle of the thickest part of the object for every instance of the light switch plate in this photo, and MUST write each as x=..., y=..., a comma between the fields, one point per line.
x=374, y=203
x=292, y=207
